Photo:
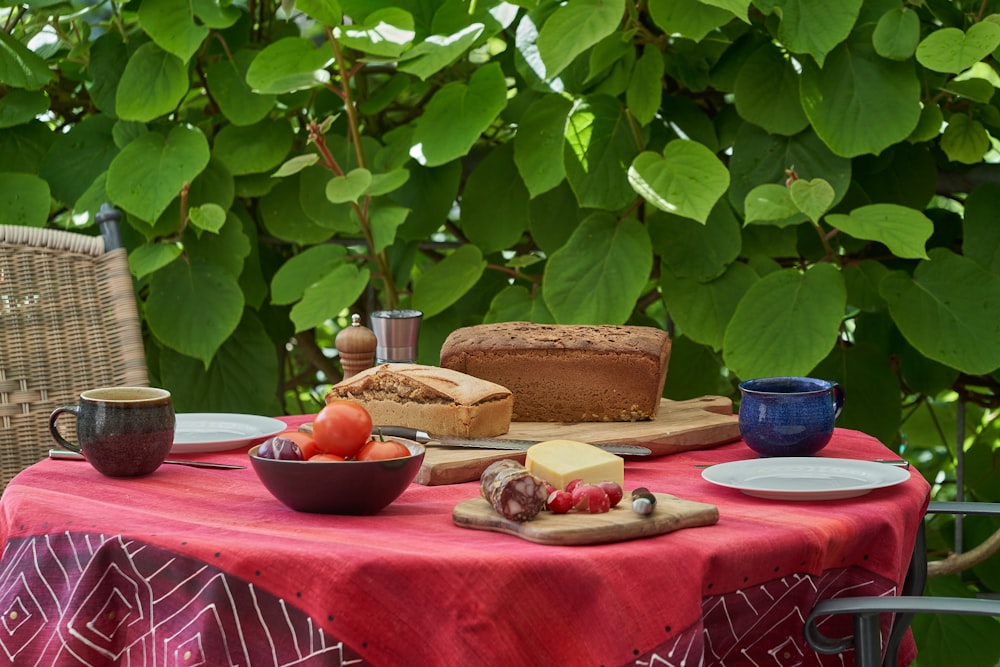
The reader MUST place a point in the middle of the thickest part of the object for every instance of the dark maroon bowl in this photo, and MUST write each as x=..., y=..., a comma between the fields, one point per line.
x=339, y=487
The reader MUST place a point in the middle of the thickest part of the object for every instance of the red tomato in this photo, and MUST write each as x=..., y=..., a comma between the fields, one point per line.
x=325, y=457
x=379, y=450
x=342, y=428
x=306, y=443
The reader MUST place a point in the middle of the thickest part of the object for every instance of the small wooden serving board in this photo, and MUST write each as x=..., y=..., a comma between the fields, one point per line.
x=679, y=426
x=576, y=528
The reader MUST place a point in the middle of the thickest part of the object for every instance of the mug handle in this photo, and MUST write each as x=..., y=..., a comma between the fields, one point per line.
x=838, y=399
x=54, y=430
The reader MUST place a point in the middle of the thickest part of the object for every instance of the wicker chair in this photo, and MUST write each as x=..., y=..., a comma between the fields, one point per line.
x=68, y=322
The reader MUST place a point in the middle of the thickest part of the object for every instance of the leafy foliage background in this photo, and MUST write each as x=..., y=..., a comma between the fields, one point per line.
x=788, y=187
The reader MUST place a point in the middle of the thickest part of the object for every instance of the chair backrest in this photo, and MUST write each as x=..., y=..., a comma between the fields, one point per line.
x=68, y=322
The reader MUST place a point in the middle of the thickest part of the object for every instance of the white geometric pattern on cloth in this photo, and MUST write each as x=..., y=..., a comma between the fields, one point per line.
x=762, y=625
x=100, y=600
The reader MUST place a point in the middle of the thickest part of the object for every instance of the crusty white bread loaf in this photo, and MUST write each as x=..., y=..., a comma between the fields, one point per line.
x=567, y=373
x=439, y=401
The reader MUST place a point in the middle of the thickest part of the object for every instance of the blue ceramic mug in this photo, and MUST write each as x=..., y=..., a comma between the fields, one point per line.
x=789, y=416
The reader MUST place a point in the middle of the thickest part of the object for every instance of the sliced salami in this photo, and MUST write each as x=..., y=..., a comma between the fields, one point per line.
x=513, y=492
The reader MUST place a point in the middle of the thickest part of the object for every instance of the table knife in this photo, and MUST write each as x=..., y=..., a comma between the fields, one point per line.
x=74, y=456
x=497, y=443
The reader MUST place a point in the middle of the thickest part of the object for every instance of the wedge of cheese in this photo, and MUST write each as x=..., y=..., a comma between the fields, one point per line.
x=559, y=462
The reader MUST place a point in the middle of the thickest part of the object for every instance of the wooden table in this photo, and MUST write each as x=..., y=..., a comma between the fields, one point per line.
x=196, y=566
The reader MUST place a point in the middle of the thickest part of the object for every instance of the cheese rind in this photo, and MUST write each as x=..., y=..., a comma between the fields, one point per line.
x=559, y=462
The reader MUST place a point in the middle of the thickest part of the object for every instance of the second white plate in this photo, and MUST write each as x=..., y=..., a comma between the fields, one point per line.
x=218, y=432
x=805, y=478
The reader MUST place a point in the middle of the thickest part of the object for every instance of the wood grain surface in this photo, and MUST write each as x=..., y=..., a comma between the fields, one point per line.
x=679, y=426
x=577, y=528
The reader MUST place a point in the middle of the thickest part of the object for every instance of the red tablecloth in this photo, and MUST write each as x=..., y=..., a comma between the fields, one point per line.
x=194, y=566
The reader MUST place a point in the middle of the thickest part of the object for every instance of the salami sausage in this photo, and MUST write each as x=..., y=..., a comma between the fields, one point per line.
x=513, y=492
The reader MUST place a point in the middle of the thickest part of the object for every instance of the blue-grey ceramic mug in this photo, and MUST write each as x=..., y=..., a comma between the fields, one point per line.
x=789, y=416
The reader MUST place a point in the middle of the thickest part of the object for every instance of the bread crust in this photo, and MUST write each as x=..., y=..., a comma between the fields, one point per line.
x=567, y=373
x=440, y=401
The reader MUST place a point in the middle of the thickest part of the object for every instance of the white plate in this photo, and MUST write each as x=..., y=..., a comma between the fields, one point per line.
x=217, y=432
x=805, y=478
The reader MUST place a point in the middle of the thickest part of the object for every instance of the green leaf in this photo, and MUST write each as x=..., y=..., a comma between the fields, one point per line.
x=324, y=300
x=151, y=257
x=760, y=158
x=287, y=65
x=327, y=12
x=444, y=283
x=385, y=219
x=645, y=87
x=283, y=216
x=254, y=148
x=693, y=250
x=687, y=180
x=771, y=204
x=24, y=200
x=20, y=67
x=320, y=211
x=77, y=156
x=172, y=26
x=860, y=102
x=149, y=173
x=108, y=59
x=429, y=194
x=814, y=198
x=457, y=115
x=903, y=230
x=153, y=84
x=304, y=269
x=872, y=386
x=208, y=217
x=19, y=106
x=965, y=140
x=227, y=82
x=598, y=274
x=951, y=51
x=575, y=27
x=701, y=310
x=296, y=164
x=539, y=143
x=389, y=181
x=350, y=186
x=216, y=14
x=897, y=33
x=515, y=303
x=862, y=280
x=193, y=307
x=815, y=27
x=439, y=51
x=495, y=202
x=786, y=323
x=689, y=18
x=767, y=92
x=384, y=33
x=942, y=317
x=980, y=233
x=941, y=637
x=229, y=384
x=599, y=145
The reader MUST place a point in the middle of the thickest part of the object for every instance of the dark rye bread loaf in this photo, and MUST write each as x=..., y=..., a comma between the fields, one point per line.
x=566, y=373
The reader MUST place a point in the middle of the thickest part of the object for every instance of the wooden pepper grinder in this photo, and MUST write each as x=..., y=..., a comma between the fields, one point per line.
x=356, y=345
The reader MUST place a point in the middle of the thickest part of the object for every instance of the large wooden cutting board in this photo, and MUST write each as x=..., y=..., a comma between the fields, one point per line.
x=698, y=423
x=621, y=523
